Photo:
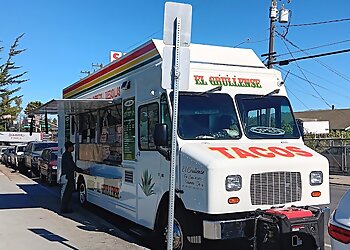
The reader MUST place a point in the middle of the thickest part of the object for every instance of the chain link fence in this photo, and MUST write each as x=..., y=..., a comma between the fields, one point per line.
x=336, y=150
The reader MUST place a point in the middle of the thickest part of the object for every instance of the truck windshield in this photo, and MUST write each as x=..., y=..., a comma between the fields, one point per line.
x=267, y=117
x=209, y=116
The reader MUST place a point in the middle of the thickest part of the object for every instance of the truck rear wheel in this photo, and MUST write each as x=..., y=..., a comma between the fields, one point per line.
x=82, y=192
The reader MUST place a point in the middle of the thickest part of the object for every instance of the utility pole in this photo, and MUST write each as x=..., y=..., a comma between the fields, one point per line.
x=283, y=17
x=273, y=16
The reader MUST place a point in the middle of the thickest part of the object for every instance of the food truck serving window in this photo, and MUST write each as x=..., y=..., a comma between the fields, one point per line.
x=100, y=135
x=267, y=117
x=87, y=127
x=207, y=116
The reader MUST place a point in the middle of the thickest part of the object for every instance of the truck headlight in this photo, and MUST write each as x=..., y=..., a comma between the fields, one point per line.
x=316, y=178
x=233, y=183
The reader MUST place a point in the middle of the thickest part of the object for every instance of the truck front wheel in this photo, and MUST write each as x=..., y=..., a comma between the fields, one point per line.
x=180, y=230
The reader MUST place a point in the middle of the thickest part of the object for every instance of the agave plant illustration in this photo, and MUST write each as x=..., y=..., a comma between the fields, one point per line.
x=146, y=183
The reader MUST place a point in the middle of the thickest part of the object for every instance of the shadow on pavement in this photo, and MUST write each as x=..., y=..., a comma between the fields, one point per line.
x=49, y=198
x=51, y=236
x=41, y=196
x=15, y=201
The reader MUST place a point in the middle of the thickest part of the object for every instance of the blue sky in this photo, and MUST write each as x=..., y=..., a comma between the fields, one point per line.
x=64, y=37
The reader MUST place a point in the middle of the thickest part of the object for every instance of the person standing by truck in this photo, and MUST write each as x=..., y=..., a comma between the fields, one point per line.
x=67, y=177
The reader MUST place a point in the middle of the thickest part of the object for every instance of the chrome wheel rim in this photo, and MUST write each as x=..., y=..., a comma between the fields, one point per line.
x=177, y=235
x=82, y=193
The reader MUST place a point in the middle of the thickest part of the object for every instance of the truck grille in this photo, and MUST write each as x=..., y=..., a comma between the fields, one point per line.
x=274, y=188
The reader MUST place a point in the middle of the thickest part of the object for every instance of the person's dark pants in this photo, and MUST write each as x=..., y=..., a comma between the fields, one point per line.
x=67, y=190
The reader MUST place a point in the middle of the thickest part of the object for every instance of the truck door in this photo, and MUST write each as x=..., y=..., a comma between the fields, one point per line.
x=148, y=163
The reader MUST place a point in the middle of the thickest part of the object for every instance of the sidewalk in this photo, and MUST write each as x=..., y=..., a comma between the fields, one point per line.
x=30, y=220
x=339, y=180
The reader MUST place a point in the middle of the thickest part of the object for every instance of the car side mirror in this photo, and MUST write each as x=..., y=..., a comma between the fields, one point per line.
x=161, y=135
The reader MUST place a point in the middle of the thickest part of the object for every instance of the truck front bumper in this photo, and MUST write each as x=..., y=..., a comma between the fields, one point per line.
x=225, y=229
x=244, y=227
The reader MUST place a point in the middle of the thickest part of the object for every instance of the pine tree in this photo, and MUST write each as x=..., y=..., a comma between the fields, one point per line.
x=31, y=106
x=10, y=79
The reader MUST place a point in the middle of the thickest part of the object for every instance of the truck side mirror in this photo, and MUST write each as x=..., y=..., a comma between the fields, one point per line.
x=161, y=135
x=161, y=140
x=300, y=127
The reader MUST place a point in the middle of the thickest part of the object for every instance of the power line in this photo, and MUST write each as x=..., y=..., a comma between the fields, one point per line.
x=141, y=41
x=320, y=62
x=248, y=40
x=313, y=83
x=316, y=47
x=297, y=98
x=320, y=77
x=286, y=62
x=313, y=87
x=323, y=22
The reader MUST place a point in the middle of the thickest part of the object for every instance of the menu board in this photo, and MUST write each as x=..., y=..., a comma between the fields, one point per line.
x=129, y=129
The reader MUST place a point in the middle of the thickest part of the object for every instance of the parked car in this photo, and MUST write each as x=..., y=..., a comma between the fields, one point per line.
x=33, y=152
x=6, y=156
x=17, y=156
x=339, y=224
x=2, y=150
x=47, y=165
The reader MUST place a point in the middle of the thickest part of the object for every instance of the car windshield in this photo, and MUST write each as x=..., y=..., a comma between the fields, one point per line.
x=21, y=148
x=54, y=155
x=42, y=146
x=209, y=116
x=11, y=150
x=267, y=117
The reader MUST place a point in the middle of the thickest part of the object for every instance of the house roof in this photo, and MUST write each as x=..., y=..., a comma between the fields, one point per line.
x=339, y=119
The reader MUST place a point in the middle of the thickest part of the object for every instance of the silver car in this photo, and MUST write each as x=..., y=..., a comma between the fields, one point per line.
x=339, y=224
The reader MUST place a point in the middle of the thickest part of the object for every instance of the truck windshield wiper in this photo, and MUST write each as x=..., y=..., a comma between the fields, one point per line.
x=276, y=91
x=218, y=88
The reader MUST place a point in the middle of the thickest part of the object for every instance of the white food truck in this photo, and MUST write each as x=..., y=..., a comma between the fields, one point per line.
x=240, y=151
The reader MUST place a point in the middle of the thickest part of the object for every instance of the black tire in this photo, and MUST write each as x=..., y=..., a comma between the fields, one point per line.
x=42, y=177
x=181, y=229
x=49, y=179
x=82, y=192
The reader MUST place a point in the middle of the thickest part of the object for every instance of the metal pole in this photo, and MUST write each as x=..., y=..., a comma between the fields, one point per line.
x=345, y=159
x=20, y=123
x=272, y=33
x=174, y=136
